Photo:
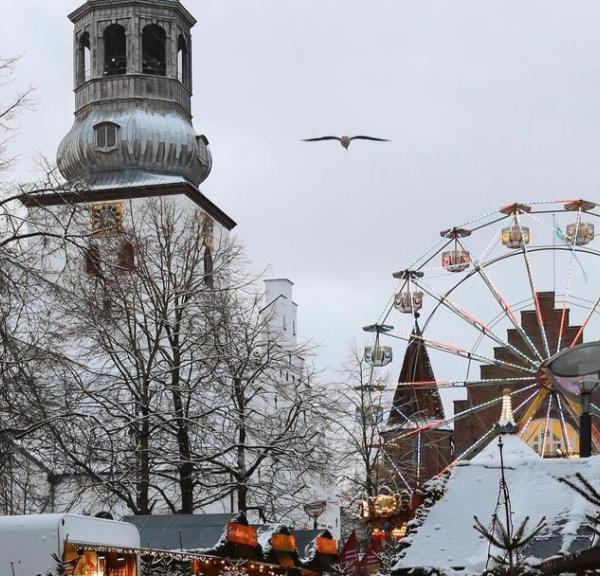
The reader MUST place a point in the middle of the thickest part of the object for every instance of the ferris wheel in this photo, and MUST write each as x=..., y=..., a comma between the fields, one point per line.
x=492, y=301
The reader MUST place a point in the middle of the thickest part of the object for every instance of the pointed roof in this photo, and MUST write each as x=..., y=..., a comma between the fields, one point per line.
x=419, y=402
x=514, y=451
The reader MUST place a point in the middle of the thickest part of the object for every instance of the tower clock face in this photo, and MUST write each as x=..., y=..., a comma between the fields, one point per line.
x=107, y=217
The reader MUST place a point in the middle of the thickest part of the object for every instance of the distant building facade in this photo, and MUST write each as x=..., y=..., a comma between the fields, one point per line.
x=468, y=430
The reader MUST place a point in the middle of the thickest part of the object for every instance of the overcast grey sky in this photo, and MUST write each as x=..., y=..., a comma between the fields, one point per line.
x=486, y=102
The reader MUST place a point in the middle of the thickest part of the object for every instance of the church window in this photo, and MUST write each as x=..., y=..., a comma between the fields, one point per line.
x=106, y=135
x=126, y=255
x=294, y=327
x=284, y=322
x=115, y=50
x=208, y=228
x=154, y=54
x=182, y=60
x=84, y=61
x=91, y=263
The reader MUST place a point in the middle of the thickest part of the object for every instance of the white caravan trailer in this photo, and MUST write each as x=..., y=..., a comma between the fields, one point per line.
x=101, y=547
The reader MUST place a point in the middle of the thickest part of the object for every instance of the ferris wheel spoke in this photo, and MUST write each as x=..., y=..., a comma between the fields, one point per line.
x=461, y=352
x=397, y=410
x=534, y=294
x=466, y=383
x=469, y=449
x=473, y=321
x=507, y=310
x=563, y=315
x=546, y=424
x=394, y=467
x=490, y=246
x=539, y=397
x=482, y=439
x=585, y=322
x=477, y=442
x=438, y=423
x=525, y=402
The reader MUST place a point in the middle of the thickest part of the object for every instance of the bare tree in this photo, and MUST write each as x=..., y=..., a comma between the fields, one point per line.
x=271, y=430
x=30, y=235
x=361, y=416
x=137, y=368
x=135, y=319
x=180, y=387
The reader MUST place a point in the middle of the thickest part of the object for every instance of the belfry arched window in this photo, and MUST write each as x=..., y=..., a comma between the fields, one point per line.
x=115, y=50
x=154, y=54
x=182, y=60
x=84, y=60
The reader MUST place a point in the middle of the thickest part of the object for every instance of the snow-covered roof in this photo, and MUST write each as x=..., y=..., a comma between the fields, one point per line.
x=446, y=538
x=515, y=452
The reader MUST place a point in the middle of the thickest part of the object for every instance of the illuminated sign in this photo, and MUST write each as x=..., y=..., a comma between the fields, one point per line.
x=387, y=505
x=241, y=534
x=283, y=542
x=326, y=545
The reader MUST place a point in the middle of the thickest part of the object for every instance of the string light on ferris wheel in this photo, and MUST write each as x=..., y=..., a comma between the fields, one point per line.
x=517, y=237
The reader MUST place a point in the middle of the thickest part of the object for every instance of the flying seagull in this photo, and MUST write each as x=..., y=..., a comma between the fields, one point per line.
x=345, y=140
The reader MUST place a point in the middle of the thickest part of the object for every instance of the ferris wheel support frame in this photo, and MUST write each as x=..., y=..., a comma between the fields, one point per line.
x=533, y=365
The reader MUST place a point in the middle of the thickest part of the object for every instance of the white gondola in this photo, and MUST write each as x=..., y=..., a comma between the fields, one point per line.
x=515, y=236
x=456, y=260
x=582, y=233
x=408, y=302
x=378, y=355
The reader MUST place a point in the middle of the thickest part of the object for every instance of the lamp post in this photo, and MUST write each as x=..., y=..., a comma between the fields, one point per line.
x=580, y=363
x=314, y=510
x=585, y=422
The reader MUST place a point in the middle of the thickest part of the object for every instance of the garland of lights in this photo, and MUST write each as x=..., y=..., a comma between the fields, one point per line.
x=266, y=569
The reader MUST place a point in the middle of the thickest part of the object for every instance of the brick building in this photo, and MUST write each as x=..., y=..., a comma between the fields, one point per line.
x=534, y=412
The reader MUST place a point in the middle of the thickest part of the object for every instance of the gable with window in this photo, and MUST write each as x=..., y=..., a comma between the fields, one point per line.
x=106, y=136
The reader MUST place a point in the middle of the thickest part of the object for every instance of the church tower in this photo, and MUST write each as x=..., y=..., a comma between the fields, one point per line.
x=133, y=135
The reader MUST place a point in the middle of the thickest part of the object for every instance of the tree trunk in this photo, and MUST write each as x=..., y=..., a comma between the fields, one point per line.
x=143, y=488
x=185, y=466
x=241, y=477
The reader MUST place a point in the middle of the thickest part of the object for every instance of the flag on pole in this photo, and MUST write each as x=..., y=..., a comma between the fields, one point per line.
x=370, y=562
x=349, y=554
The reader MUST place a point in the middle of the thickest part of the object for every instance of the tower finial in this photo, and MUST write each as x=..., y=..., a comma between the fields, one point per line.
x=506, y=424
